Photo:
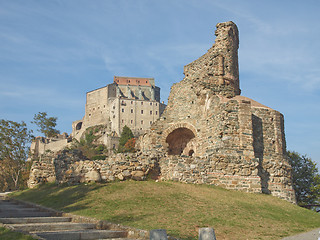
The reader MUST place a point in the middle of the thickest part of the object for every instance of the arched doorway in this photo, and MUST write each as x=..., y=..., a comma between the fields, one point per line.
x=178, y=140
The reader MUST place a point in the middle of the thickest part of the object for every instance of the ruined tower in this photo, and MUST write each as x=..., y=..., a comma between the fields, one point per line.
x=218, y=69
x=239, y=143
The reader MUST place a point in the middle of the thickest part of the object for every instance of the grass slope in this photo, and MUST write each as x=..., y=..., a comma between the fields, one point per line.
x=6, y=234
x=179, y=208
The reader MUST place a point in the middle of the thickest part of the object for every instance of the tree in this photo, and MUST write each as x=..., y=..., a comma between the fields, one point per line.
x=125, y=136
x=14, y=149
x=46, y=124
x=306, y=179
x=130, y=145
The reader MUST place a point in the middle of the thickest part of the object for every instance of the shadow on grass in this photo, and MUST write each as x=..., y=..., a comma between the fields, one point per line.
x=58, y=197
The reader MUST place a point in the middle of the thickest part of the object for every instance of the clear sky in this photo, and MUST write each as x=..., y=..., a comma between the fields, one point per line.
x=53, y=52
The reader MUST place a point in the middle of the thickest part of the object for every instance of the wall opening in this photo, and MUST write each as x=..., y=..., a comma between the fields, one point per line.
x=79, y=126
x=191, y=152
x=178, y=140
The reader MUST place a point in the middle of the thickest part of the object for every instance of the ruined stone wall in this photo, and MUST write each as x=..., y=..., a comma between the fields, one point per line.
x=70, y=166
x=208, y=133
x=206, y=118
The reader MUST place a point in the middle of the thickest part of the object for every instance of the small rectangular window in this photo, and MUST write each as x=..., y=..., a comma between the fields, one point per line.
x=150, y=122
x=156, y=112
x=141, y=103
x=122, y=109
x=141, y=111
x=150, y=112
x=141, y=121
x=131, y=121
x=151, y=104
x=131, y=110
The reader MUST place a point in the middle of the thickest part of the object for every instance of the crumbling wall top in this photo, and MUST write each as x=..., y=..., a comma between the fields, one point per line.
x=218, y=69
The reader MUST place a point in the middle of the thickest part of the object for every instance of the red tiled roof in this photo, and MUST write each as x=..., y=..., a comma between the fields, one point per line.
x=132, y=81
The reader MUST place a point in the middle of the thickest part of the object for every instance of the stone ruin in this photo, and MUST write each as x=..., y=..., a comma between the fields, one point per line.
x=208, y=134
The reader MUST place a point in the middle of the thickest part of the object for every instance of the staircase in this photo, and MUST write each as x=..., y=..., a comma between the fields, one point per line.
x=42, y=223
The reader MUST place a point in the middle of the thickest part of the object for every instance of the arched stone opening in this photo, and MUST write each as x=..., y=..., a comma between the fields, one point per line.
x=178, y=140
x=79, y=126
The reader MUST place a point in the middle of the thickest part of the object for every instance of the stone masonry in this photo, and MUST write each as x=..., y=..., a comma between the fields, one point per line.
x=239, y=142
x=208, y=134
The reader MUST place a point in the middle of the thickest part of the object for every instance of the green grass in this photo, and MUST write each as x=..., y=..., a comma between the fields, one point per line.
x=179, y=208
x=6, y=234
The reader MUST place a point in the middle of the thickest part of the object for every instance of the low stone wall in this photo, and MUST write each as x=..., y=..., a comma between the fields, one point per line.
x=212, y=171
x=70, y=166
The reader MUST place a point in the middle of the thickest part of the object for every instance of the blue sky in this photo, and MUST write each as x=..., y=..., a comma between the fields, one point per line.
x=53, y=52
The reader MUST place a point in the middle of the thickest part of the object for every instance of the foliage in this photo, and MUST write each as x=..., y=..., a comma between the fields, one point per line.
x=88, y=144
x=179, y=208
x=306, y=179
x=46, y=124
x=6, y=234
x=130, y=145
x=125, y=136
x=89, y=137
x=99, y=157
x=14, y=149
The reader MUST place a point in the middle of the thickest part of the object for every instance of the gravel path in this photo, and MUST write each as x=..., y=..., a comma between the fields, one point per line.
x=312, y=235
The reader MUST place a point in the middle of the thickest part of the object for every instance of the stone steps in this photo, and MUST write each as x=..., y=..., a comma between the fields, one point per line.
x=34, y=220
x=83, y=234
x=49, y=227
x=24, y=214
x=45, y=224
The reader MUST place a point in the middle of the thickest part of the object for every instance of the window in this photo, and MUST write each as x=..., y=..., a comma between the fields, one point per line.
x=156, y=112
x=131, y=102
x=141, y=111
x=156, y=104
x=141, y=103
x=122, y=120
x=150, y=122
x=150, y=112
x=131, y=121
x=151, y=104
x=141, y=122
x=122, y=110
x=114, y=107
x=131, y=110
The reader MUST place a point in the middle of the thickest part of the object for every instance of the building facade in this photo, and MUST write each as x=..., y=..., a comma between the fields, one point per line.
x=130, y=101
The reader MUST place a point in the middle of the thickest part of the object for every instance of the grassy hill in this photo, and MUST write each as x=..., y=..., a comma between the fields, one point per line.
x=179, y=208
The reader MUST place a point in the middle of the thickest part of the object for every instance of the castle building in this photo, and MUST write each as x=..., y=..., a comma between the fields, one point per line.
x=128, y=101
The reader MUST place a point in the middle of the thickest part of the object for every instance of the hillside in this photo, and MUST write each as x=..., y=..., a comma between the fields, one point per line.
x=179, y=208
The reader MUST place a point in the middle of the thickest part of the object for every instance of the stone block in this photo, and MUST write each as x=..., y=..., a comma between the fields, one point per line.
x=158, y=234
x=206, y=234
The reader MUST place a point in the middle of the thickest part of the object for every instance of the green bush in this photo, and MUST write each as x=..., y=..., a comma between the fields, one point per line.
x=99, y=157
